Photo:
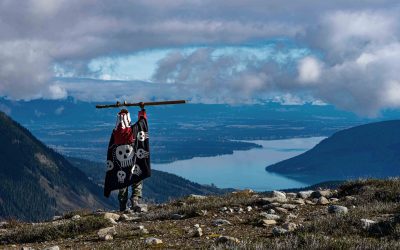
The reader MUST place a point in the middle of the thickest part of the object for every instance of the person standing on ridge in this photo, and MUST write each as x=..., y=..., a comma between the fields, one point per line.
x=128, y=160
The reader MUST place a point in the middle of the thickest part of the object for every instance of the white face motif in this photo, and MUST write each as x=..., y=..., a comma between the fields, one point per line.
x=142, y=135
x=124, y=154
x=141, y=153
x=121, y=176
x=110, y=165
x=136, y=170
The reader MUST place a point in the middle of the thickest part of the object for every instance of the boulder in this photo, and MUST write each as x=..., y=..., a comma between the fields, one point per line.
x=268, y=222
x=271, y=211
x=333, y=200
x=52, y=248
x=298, y=201
x=177, y=216
x=220, y=222
x=249, y=208
x=281, y=210
x=108, y=237
x=366, y=224
x=270, y=216
x=227, y=240
x=153, y=241
x=112, y=221
x=325, y=193
x=76, y=217
x=113, y=216
x=105, y=231
x=198, y=232
x=271, y=200
x=278, y=194
x=322, y=201
x=279, y=231
x=304, y=194
x=350, y=198
x=289, y=206
x=57, y=217
x=197, y=197
x=289, y=226
x=291, y=195
x=336, y=209
x=308, y=202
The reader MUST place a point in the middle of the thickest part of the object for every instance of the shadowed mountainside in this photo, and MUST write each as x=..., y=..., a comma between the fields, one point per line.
x=370, y=150
x=36, y=182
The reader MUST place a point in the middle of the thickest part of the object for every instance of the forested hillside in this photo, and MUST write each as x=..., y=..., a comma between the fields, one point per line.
x=36, y=182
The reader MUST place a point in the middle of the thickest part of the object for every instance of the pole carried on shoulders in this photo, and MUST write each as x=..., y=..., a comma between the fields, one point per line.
x=139, y=104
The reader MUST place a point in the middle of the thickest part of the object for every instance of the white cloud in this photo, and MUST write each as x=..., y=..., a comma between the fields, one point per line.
x=309, y=69
x=356, y=43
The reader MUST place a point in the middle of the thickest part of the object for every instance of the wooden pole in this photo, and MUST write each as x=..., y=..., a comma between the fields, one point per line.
x=139, y=104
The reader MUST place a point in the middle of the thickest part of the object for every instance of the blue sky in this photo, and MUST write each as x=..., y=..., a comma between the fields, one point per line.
x=344, y=53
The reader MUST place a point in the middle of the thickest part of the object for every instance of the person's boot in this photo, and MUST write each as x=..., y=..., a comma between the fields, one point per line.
x=136, y=206
x=122, y=206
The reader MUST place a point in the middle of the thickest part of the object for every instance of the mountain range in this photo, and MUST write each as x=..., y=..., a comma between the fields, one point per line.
x=370, y=150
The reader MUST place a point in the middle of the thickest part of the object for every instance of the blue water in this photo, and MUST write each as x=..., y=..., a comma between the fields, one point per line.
x=244, y=169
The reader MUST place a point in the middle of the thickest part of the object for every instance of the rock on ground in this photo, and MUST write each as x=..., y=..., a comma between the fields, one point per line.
x=219, y=222
x=153, y=241
x=278, y=194
x=289, y=226
x=198, y=232
x=270, y=216
x=336, y=209
x=226, y=240
x=291, y=195
x=365, y=223
x=113, y=216
x=76, y=217
x=197, y=197
x=52, y=248
x=102, y=233
x=322, y=201
x=177, y=216
x=289, y=206
x=268, y=222
x=326, y=193
x=304, y=194
x=279, y=231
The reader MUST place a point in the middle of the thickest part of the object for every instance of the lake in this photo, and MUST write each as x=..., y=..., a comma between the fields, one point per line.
x=244, y=169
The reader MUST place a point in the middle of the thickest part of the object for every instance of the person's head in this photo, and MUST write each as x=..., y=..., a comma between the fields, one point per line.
x=123, y=119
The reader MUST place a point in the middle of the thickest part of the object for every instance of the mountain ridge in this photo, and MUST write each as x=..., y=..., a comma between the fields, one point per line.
x=369, y=150
x=37, y=182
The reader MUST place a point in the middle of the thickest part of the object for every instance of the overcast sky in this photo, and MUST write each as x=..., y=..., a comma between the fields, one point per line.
x=345, y=53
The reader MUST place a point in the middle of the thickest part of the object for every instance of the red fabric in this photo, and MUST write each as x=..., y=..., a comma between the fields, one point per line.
x=143, y=114
x=123, y=135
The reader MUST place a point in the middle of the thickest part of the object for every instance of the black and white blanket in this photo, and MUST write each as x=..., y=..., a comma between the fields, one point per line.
x=128, y=163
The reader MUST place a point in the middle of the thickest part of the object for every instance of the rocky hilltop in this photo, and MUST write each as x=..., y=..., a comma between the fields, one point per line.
x=359, y=214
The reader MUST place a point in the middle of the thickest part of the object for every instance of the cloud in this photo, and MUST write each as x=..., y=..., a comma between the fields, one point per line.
x=309, y=69
x=350, y=63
